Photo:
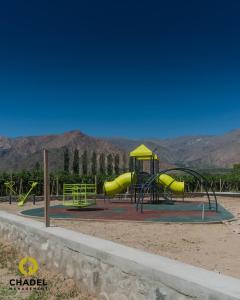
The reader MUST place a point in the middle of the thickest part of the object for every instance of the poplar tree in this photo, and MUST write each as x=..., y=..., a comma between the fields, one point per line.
x=84, y=163
x=76, y=162
x=66, y=160
x=94, y=163
x=116, y=163
x=102, y=166
x=110, y=164
x=124, y=162
x=130, y=163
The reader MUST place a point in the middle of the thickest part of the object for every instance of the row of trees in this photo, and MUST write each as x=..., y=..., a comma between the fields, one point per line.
x=93, y=164
x=88, y=167
x=228, y=182
x=22, y=181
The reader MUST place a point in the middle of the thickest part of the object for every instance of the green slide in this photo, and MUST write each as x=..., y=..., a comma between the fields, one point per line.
x=119, y=184
x=169, y=182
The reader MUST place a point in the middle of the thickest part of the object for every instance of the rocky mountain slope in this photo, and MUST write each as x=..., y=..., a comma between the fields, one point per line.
x=193, y=151
x=24, y=152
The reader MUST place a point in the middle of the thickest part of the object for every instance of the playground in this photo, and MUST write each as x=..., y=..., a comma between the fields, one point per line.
x=149, y=209
x=203, y=245
x=144, y=193
x=184, y=212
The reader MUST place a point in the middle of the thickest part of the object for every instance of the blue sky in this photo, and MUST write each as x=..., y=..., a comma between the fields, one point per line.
x=119, y=68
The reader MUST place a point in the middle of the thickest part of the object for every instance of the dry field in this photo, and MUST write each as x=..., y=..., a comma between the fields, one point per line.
x=59, y=288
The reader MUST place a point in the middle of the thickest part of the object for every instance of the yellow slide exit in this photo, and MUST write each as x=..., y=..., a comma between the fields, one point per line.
x=119, y=184
x=171, y=183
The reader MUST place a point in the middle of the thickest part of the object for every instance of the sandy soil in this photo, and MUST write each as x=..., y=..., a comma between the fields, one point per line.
x=211, y=246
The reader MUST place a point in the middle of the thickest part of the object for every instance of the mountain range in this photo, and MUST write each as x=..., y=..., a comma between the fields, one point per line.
x=199, y=151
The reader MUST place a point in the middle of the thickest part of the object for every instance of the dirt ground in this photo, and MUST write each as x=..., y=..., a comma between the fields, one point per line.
x=211, y=246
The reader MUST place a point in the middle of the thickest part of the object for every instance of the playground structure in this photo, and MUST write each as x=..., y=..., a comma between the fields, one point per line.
x=79, y=195
x=154, y=186
x=148, y=190
x=177, y=187
x=144, y=188
x=22, y=198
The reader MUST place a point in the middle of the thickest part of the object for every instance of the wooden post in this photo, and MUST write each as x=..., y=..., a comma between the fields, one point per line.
x=46, y=188
x=57, y=186
x=10, y=197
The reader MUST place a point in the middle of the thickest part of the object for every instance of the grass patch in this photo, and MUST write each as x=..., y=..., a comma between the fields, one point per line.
x=59, y=288
x=6, y=294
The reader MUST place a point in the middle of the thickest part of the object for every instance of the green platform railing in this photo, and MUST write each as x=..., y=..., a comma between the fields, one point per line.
x=79, y=195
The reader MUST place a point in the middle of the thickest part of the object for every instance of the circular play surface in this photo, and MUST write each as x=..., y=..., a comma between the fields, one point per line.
x=179, y=211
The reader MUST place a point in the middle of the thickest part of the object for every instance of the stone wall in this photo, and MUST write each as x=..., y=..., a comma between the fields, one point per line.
x=111, y=271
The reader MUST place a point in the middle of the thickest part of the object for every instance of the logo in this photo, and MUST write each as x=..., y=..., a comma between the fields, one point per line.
x=28, y=266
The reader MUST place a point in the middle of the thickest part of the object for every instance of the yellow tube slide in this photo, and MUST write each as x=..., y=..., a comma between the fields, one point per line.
x=119, y=184
x=171, y=183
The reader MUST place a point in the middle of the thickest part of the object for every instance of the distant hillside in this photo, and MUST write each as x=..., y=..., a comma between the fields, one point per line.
x=193, y=151
x=24, y=152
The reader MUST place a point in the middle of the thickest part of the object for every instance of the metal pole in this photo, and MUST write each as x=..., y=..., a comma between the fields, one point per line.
x=201, y=186
x=203, y=212
x=46, y=188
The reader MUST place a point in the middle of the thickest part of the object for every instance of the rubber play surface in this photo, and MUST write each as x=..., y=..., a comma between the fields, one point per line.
x=180, y=211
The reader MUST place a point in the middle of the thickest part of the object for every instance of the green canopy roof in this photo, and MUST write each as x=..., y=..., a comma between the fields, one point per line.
x=142, y=152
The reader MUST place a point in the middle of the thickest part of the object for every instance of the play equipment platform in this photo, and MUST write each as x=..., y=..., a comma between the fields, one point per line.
x=180, y=211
